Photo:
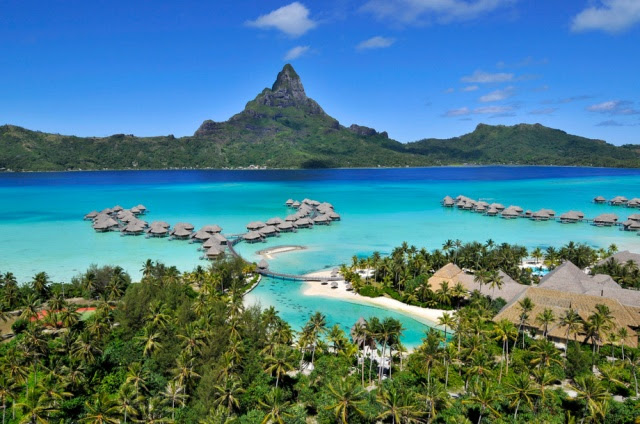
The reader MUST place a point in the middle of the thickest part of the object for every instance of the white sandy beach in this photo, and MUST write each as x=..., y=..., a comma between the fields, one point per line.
x=270, y=252
x=315, y=288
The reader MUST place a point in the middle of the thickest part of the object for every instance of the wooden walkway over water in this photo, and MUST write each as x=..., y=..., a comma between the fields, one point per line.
x=294, y=277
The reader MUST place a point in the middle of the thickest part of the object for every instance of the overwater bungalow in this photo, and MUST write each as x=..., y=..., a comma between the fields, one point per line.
x=180, y=233
x=304, y=223
x=634, y=203
x=220, y=239
x=634, y=217
x=549, y=212
x=286, y=227
x=630, y=225
x=255, y=225
x=269, y=231
x=142, y=208
x=571, y=217
x=492, y=211
x=103, y=225
x=133, y=228
x=528, y=213
x=510, y=213
x=162, y=224
x=295, y=204
x=211, y=229
x=448, y=202
x=499, y=206
x=263, y=265
x=322, y=220
x=275, y=221
x=91, y=215
x=289, y=202
x=106, y=211
x=618, y=201
x=213, y=252
x=211, y=242
x=200, y=236
x=292, y=218
x=540, y=215
x=185, y=225
x=134, y=210
x=599, y=199
x=139, y=222
x=518, y=209
x=116, y=208
x=334, y=216
x=480, y=208
x=605, y=220
x=252, y=237
x=158, y=232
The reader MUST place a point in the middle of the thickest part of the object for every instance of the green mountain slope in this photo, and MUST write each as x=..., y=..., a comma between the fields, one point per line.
x=525, y=144
x=283, y=128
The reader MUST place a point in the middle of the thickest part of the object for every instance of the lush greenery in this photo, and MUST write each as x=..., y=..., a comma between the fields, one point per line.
x=404, y=274
x=290, y=130
x=183, y=348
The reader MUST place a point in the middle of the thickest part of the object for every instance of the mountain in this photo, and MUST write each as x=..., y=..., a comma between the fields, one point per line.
x=284, y=128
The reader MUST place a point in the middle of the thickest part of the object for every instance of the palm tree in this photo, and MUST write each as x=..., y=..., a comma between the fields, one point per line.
x=317, y=325
x=458, y=291
x=102, y=410
x=494, y=279
x=31, y=308
x=436, y=398
x=150, y=340
x=399, y=406
x=520, y=389
x=537, y=254
x=443, y=294
x=526, y=306
x=84, y=349
x=228, y=394
x=276, y=407
x=597, y=324
x=36, y=409
x=545, y=318
x=446, y=320
x=481, y=278
x=40, y=285
x=347, y=396
x=504, y=332
x=137, y=376
x=483, y=396
x=127, y=400
x=572, y=321
x=151, y=412
x=8, y=390
x=174, y=393
x=544, y=354
x=280, y=363
x=622, y=335
x=633, y=359
x=590, y=390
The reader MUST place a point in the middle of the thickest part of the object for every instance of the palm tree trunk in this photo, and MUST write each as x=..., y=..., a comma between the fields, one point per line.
x=370, y=364
x=381, y=367
x=4, y=409
x=446, y=376
x=635, y=379
x=515, y=416
x=480, y=417
x=364, y=351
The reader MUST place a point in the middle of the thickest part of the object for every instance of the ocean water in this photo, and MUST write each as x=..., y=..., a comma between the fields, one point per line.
x=41, y=226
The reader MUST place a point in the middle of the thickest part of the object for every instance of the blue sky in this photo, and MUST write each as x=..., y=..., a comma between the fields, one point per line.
x=414, y=68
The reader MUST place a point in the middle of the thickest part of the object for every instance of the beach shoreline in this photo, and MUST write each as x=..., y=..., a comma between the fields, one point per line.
x=268, y=253
x=316, y=288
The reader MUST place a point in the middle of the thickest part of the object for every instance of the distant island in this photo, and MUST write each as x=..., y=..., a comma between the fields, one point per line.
x=283, y=128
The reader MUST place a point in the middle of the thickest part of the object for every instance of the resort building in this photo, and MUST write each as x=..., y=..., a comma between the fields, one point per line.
x=622, y=258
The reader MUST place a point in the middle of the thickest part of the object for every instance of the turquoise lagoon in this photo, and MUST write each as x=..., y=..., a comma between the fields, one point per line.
x=41, y=226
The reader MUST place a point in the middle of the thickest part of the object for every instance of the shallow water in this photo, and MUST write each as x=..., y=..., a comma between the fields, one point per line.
x=41, y=226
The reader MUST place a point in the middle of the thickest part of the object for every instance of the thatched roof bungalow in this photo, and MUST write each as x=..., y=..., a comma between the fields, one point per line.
x=185, y=225
x=200, y=236
x=605, y=220
x=560, y=302
x=255, y=225
x=181, y=233
x=622, y=257
x=274, y=221
x=304, y=223
x=213, y=252
x=322, y=220
x=268, y=231
x=571, y=217
x=599, y=199
x=91, y=215
x=252, y=237
x=263, y=264
x=211, y=229
x=289, y=202
x=286, y=227
x=334, y=216
x=103, y=225
x=448, y=202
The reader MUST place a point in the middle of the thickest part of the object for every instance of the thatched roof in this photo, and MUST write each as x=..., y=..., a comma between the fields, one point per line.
x=213, y=251
x=133, y=228
x=285, y=225
x=623, y=257
x=185, y=225
x=162, y=230
x=303, y=222
x=201, y=235
x=292, y=218
x=210, y=243
x=219, y=238
x=91, y=215
x=162, y=224
x=560, y=302
x=510, y=212
x=255, y=225
x=599, y=199
x=269, y=229
x=141, y=207
x=116, y=208
x=252, y=235
x=275, y=221
x=333, y=215
x=296, y=204
x=321, y=218
x=179, y=231
x=541, y=214
x=572, y=216
x=634, y=217
x=263, y=264
x=453, y=275
x=289, y=202
x=213, y=229
x=498, y=206
x=608, y=218
x=103, y=224
x=135, y=210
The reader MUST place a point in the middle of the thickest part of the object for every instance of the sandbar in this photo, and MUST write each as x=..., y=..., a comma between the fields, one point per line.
x=275, y=250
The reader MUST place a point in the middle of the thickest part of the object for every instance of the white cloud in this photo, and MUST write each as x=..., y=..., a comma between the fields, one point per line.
x=498, y=95
x=482, y=77
x=469, y=88
x=543, y=111
x=493, y=109
x=614, y=107
x=376, y=42
x=609, y=15
x=449, y=90
x=296, y=52
x=457, y=112
x=293, y=20
x=442, y=11
x=486, y=110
